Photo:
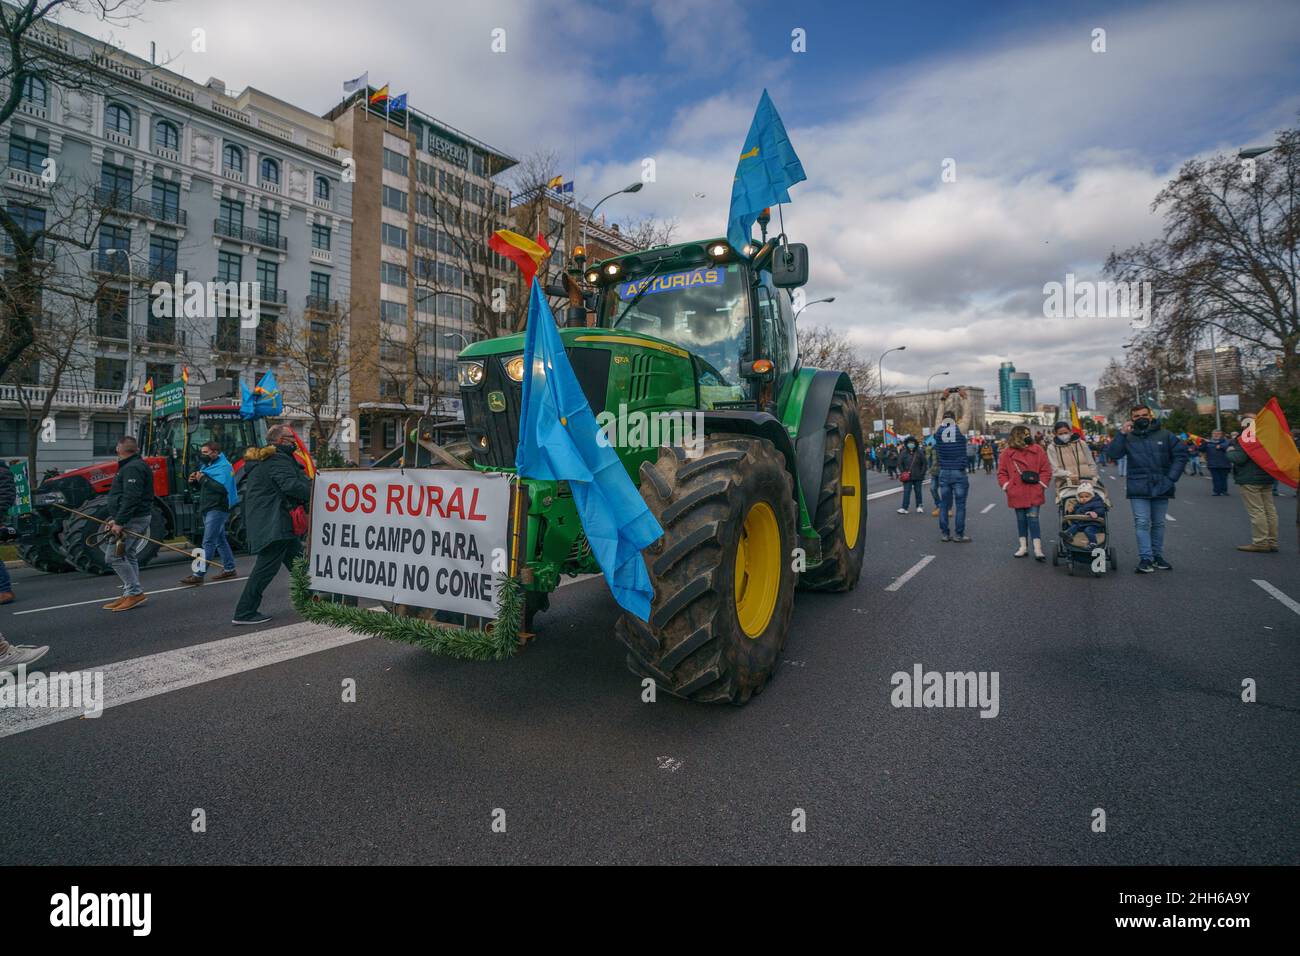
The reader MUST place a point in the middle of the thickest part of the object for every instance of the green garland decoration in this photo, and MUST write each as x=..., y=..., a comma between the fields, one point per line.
x=497, y=642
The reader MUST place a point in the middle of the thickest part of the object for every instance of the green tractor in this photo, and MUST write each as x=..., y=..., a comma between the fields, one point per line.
x=751, y=462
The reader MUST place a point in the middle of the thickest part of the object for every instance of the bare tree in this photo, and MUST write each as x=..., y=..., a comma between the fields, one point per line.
x=1229, y=258
x=313, y=349
x=649, y=231
x=821, y=346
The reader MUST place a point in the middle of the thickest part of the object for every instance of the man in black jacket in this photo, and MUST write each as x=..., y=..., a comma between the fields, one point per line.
x=130, y=508
x=8, y=495
x=274, y=484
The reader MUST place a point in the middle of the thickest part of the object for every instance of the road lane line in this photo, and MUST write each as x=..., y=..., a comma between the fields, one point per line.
x=150, y=676
x=1169, y=517
x=104, y=600
x=910, y=573
x=1274, y=592
x=887, y=491
x=988, y=507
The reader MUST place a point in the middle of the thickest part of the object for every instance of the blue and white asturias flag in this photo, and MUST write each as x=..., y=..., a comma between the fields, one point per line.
x=768, y=167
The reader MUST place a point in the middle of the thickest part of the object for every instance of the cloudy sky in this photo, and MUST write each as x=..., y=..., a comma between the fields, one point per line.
x=1058, y=149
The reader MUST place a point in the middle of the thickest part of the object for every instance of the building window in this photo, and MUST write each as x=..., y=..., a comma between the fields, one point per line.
x=228, y=335
x=232, y=216
x=115, y=240
x=392, y=311
x=13, y=438
x=393, y=236
x=320, y=286
x=30, y=219
x=265, y=337
x=390, y=432
x=116, y=182
x=268, y=274
x=26, y=153
x=118, y=119
x=167, y=197
x=232, y=158
x=110, y=374
x=270, y=171
x=322, y=188
x=166, y=135
x=107, y=435
x=268, y=223
x=395, y=162
x=36, y=91
x=392, y=273
x=230, y=267
x=111, y=309
x=394, y=199
x=161, y=374
x=162, y=256
x=320, y=237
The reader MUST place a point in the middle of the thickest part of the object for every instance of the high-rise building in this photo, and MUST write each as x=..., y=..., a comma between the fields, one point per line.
x=167, y=177
x=424, y=283
x=1074, y=392
x=1005, y=371
x=1023, y=397
x=1226, y=360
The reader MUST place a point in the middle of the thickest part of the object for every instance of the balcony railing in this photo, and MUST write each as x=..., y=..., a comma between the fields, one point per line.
x=233, y=174
x=113, y=263
x=157, y=334
x=317, y=303
x=323, y=256
x=244, y=234
x=122, y=139
x=271, y=187
x=274, y=296
x=42, y=251
x=26, y=179
x=125, y=202
x=69, y=398
x=33, y=109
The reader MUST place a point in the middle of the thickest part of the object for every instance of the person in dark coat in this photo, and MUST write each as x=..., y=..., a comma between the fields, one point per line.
x=1216, y=460
x=1155, y=461
x=8, y=495
x=911, y=472
x=275, y=483
x=130, y=508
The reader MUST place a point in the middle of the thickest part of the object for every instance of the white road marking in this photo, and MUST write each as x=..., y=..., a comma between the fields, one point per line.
x=987, y=508
x=910, y=573
x=1169, y=517
x=887, y=491
x=105, y=600
x=1274, y=592
x=143, y=677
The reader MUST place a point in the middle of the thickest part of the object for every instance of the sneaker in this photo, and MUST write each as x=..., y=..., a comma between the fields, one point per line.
x=962, y=539
x=1160, y=564
x=20, y=655
x=130, y=601
x=946, y=537
x=1144, y=567
x=258, y=618
x=921, y=511
x=902, y=511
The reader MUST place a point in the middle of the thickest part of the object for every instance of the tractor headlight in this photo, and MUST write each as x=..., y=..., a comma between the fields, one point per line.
x=469, y=374
x=515, y=368
x=719, y=250
x=49, y=498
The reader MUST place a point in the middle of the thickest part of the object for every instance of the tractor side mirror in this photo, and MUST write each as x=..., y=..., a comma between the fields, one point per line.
x=556, y=289
x=790, y=266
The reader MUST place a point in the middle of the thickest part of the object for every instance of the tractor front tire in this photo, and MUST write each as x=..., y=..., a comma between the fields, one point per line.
x=841, y=502
x=723, y=572
x=90, y=559
x=43, y=556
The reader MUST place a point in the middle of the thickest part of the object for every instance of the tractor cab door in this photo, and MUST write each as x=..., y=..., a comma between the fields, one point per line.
x=774, y=319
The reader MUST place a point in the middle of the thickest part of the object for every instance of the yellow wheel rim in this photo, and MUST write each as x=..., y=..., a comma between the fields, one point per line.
x=850, y=491
x=758, y=569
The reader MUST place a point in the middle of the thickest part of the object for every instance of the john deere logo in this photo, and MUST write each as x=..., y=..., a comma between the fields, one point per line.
x=497, y=401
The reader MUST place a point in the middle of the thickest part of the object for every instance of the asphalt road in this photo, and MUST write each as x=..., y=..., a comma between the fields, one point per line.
x=1121, y=693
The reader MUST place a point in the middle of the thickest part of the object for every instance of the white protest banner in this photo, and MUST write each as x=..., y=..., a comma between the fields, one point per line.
x=426, y=538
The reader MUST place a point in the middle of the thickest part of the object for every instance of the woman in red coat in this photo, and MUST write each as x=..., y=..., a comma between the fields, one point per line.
x=1023, y=473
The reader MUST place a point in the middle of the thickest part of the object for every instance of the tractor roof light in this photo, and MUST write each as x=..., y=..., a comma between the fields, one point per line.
x=593, y=276
x=612, y=269
x=762, y=366
x=719, y=250
x=748, y=249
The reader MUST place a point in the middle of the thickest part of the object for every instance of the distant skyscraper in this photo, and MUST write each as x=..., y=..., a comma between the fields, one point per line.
x=1227, y=360
x=1076, y=393
x=1005, y=371
x=1022, y=396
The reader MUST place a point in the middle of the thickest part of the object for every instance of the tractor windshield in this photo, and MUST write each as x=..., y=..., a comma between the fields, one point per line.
x=704, y=310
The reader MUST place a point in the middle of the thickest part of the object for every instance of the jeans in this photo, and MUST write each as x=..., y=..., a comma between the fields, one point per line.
x=1195, y=465
x=6, y=584
x=910, y=487
x=954, y=485
x=127, y=564
x=268, y=564
x=970, y=464
x=1149, y=520
x=934, y=490
x=1219, y=479
x=1027, y=523
x=215, y=542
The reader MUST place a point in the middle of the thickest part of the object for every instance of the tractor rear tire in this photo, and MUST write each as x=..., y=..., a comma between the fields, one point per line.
x=91, y=560
x=841, y=502
x=723, y=573
x=236, y=530
x=44, y=556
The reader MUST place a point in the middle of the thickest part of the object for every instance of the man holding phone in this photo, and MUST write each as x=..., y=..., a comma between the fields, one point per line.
x=1155, y=461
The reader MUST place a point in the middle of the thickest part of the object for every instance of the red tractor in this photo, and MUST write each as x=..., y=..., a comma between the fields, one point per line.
x=54, y=540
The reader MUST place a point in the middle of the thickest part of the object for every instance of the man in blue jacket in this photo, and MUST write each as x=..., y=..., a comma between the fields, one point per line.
x=1216, y=459
x=1155, y=459
x=954, y=483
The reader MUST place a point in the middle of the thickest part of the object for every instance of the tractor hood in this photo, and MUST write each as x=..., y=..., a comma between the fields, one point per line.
x=573, y=338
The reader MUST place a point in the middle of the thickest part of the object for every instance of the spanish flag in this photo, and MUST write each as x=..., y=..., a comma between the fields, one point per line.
x=1076, y=426
x=1269, y=444
x=185, y=374
x=522, y=251
x=379, y=95
x=303, y=455
x=148, y=385
x=555, y=183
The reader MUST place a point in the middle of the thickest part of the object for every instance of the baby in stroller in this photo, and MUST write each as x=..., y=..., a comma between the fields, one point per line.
x=1083, y=515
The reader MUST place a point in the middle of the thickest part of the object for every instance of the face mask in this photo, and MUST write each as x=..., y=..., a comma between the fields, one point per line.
x=911, y=446
x=1062, y=439
x=1141, y=424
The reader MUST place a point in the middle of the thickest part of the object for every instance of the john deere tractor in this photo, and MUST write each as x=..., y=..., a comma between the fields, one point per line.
x=770, y=497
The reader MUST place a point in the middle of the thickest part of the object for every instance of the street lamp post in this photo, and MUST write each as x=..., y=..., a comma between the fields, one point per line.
x=633, y=188
x=880, y=374
x=927, y=385
x=830, y=298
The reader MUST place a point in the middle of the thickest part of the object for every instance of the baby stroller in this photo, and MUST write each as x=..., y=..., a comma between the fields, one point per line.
x=1072, y=545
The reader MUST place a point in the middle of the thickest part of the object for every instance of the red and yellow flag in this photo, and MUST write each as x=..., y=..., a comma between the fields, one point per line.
x=1075, y=424
x=1269, y=444
x=148, y=385
x=522, y=251
x=303, y=455
x=379, y=95
x=185, y=374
